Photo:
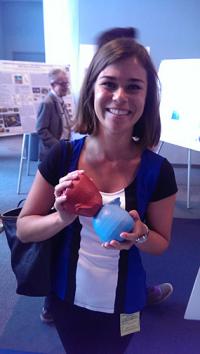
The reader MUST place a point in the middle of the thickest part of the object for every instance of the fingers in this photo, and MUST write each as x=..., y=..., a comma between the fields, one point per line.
x=115, y=245
x=59, y=201
x=134, y=215
x=61, y=187
x=60, y=197
x=66, y=182
x=71, y=176
x=128, y=238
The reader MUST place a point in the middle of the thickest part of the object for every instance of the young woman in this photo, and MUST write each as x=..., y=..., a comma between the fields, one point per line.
x=100, y=288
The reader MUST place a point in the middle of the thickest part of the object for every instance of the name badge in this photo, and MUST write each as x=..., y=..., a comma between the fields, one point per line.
x=129, y=323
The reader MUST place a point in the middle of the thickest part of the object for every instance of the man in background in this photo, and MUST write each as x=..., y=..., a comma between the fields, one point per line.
x=53, y=120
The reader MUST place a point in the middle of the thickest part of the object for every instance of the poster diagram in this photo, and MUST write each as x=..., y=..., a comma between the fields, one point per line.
x=23, y=85
x=180, y=108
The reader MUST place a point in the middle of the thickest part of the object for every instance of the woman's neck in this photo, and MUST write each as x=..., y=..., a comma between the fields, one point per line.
x=111, y=148
x=112, y=164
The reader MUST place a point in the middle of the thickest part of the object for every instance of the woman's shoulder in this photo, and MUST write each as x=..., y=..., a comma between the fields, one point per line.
x=151, y=161
x=151, y=154
x=62, y=156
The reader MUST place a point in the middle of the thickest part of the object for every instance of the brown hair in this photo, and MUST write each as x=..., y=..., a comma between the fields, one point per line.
x=115, y=32
x=147, y=129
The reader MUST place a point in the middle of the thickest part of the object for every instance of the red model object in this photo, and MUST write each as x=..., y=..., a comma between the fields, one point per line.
x=83, y=198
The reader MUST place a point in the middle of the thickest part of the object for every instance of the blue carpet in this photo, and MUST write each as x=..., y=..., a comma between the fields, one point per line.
x=8, y=351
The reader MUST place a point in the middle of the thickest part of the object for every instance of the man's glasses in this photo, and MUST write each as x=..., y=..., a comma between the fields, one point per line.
x=62, y=83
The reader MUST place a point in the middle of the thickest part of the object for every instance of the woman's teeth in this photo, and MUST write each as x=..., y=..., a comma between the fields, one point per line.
x=118, y=112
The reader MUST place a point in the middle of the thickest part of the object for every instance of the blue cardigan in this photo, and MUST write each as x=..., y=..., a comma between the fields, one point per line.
x=131, y=288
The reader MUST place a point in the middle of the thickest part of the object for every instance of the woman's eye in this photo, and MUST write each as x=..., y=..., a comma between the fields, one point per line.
x=133, y=87
x=109, y=84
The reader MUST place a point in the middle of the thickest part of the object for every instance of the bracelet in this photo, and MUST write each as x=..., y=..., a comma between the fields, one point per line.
x=143, y=238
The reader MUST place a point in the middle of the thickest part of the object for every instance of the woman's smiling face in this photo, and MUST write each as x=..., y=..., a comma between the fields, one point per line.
x=119, y=95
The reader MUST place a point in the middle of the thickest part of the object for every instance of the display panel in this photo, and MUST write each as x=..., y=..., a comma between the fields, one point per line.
x=180, y=107
x=23, y=85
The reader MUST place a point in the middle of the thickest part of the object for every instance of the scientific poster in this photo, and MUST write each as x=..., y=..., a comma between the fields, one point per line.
x=180, y=97
x=23, y=85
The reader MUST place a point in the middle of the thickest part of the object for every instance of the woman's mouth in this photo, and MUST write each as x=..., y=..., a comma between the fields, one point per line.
x=118, y=112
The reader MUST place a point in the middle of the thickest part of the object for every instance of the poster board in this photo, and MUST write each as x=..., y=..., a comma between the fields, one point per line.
x=23, y=85
x=180, y=108
x=193, y=308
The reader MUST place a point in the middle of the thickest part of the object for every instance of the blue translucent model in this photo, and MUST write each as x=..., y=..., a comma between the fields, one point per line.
x=111, y=221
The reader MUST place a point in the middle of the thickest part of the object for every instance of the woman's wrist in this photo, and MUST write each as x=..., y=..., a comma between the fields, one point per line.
x=144, y=237
x=64, y=219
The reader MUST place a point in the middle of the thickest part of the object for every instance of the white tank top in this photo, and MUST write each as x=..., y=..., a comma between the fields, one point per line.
x=97, y=268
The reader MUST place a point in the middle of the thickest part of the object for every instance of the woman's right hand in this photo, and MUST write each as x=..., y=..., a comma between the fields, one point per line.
x=65, y=183
x=34, y=222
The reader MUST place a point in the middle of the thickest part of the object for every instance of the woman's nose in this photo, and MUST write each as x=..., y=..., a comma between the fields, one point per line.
x=119, y=95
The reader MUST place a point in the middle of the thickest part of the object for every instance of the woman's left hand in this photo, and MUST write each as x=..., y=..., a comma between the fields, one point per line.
x=128, y=238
